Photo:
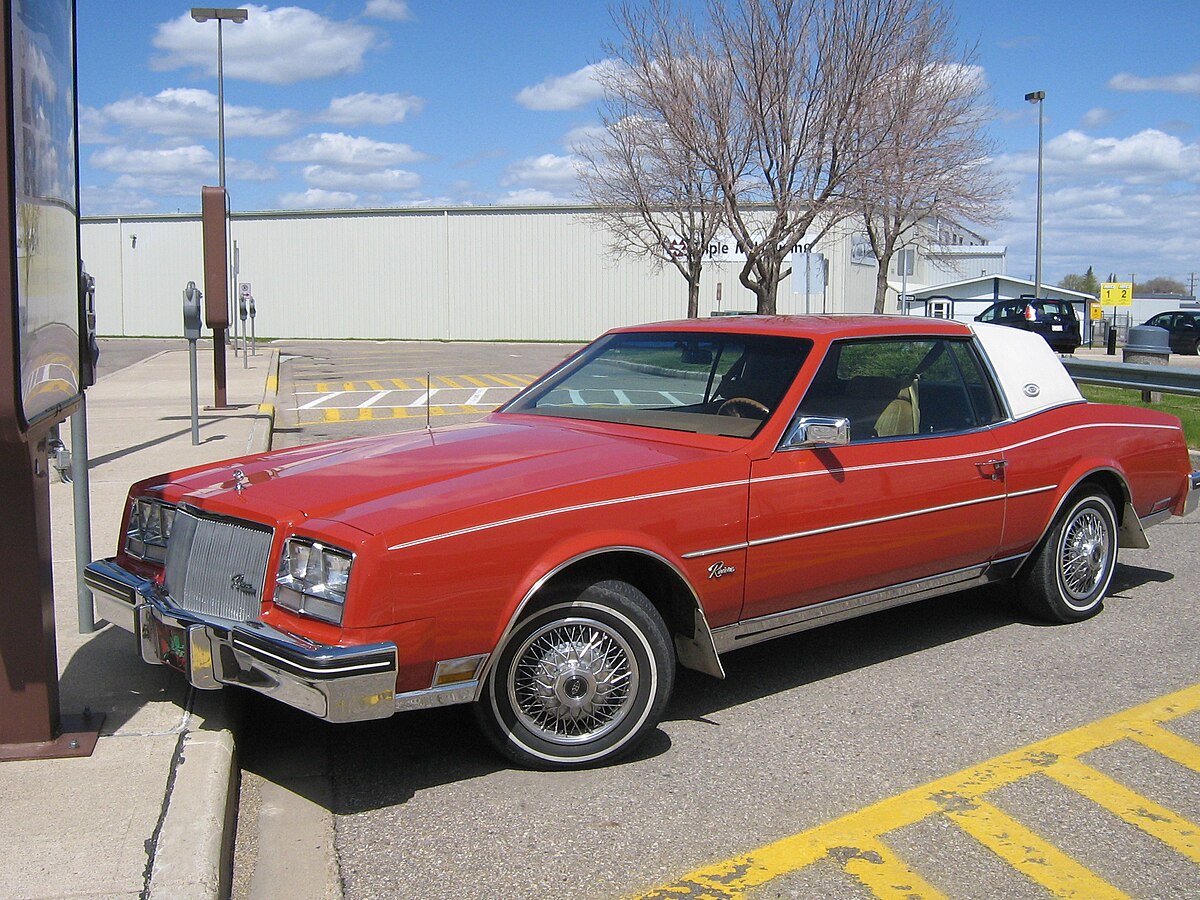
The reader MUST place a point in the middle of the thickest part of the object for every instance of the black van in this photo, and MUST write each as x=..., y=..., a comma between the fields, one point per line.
x=1055, y=320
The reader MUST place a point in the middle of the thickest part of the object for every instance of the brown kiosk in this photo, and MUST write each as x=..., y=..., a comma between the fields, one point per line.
x=43, y=367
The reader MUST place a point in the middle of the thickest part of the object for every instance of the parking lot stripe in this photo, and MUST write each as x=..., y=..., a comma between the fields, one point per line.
x=1030, y=854
x=959, y=797
x=402, y=384
x=882, y=872
x=1157, y=821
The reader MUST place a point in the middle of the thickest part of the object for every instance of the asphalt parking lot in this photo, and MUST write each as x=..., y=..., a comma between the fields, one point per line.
x=954, y=747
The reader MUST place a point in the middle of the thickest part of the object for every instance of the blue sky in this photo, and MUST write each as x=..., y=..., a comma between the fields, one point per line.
x=364, y=103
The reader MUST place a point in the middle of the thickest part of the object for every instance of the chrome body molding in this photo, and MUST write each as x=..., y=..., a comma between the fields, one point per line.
x=753, y=631
x=447, y=695
x=337, y=684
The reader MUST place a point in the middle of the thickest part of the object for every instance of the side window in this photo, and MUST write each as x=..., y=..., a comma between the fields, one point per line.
x=984, y=405
x=897, y=388
x=989, y=314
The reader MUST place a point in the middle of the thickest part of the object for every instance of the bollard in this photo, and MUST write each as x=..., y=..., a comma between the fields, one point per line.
x=1112, y=340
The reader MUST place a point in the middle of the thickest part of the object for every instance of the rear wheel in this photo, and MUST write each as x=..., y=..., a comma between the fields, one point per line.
x=581, y=682
x=1074, y=565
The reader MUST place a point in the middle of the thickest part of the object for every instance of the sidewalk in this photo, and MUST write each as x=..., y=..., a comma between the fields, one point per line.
x=149, y=812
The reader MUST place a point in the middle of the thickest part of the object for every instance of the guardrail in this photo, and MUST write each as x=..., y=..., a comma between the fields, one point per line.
x=1135, y=376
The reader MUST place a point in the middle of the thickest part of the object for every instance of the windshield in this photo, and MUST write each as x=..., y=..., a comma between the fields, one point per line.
x=725, y=384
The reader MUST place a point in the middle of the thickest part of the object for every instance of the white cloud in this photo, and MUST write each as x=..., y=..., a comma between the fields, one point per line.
x=192, y=111
x=547, y=171
x=315, y=198
x=374, y=109
x=97, y=200
x=392, y=10
x=191, y=160
x=531, y=197
x=1096, y=117
x=568, y=91
x=1150, y=156
x=583, y=137
x=380, y=181
x=346, y=151
x=92, y=125
x=1182, y=83
x=275, y=46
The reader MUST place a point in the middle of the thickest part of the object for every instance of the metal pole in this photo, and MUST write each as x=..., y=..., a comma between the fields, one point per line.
x=83, y=514
x=1037, y=265
x=195, y=391
x=220, y=105
x=1038, y=97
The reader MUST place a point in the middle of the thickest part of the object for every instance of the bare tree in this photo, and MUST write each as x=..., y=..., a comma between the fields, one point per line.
x=930, y=147
x=773, y=98
x=652, y=198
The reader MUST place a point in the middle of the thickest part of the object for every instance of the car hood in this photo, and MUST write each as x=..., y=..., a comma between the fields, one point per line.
x=380, y=484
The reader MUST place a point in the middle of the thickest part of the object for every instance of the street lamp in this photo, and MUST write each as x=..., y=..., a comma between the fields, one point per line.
x=203, y=14
x=1038, y=97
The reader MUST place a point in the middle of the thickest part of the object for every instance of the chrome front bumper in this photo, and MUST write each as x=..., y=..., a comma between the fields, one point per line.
x=338, y=684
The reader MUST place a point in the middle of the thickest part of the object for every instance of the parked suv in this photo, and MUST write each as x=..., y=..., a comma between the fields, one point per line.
x=1184, y=327
x=1055, y=320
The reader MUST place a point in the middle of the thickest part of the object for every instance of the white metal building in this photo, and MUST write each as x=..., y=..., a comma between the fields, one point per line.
x=460, y=273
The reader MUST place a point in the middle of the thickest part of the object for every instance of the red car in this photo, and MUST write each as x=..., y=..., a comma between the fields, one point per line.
x=669, y=493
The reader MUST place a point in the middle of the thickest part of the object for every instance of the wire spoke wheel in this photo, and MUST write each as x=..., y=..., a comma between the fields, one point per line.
x=573, y=680
x=581, y=680
x=1070, y=571
x=1083, y=558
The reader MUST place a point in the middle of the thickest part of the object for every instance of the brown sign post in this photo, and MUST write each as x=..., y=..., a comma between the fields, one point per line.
x=214, y=214
x=40, y=359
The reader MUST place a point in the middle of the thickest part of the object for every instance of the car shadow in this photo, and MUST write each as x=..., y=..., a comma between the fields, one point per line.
x=376, y=765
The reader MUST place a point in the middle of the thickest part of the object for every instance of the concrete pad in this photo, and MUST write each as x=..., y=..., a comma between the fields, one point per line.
x=150, y=812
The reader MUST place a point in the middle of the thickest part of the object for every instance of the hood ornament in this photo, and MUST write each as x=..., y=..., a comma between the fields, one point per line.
x=240, y=481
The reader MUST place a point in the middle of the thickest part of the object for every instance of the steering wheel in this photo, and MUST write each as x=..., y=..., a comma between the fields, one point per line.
x=738, y=407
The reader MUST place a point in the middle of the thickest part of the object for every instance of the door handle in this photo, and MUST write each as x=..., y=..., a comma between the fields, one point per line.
x=993, y=469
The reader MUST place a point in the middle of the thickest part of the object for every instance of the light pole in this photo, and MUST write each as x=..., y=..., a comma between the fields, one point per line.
x=1038, y=97
x=203, y=14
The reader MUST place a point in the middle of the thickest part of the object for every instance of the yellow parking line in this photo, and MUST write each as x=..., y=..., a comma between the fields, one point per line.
x=1168, y=744
x=447, y=381
x=475, y=381
x=333, y=415
x=1157, y=821
x=347, y=385
x=959, y=796
x=402, y=384
x=883, y=873
x=375, y=385
x=502, y=380
x=1030, y=854
x=322, y=387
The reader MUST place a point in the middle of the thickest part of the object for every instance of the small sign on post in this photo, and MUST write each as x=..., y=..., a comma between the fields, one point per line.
x=1116, y=293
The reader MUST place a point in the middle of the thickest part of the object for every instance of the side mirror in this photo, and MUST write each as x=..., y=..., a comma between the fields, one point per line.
x=816, y=431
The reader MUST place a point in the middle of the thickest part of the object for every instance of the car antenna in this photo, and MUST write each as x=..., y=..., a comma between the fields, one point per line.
x=428, y=397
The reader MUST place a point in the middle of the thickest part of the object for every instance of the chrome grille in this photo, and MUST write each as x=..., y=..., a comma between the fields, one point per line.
x=205, y=558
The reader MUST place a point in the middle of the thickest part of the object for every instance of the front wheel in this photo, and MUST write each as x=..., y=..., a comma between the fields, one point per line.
x=1074, y=565
x=580, y=683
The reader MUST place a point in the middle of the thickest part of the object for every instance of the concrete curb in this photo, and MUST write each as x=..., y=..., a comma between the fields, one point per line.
x=193, y=848
x=191, y=857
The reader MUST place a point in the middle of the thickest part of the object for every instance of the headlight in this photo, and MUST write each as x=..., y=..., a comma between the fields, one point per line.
x=312, y=579
x=149, y=529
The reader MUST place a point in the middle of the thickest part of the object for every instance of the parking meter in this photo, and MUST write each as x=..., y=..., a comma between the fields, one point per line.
x=90, y=355
x=191, y=311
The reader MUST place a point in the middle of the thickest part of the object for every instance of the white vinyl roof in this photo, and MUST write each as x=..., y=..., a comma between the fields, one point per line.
x=1030, y=373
